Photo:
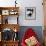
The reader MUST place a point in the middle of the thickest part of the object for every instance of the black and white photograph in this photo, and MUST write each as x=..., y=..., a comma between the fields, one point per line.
x=30, y=13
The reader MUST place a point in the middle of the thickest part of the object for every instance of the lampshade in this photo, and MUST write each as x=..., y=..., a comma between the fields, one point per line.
x=15, y=30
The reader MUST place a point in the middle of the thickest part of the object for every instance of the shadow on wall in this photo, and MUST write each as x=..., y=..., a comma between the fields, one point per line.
x=37, y=29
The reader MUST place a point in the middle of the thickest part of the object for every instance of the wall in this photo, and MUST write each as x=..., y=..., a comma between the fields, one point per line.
x=25, y=3
x=39, y=13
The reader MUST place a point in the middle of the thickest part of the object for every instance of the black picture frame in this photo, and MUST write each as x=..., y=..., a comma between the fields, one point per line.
x=30, y=13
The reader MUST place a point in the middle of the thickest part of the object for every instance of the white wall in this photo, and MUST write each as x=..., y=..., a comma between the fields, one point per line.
x=27, y=3
x=39, y=12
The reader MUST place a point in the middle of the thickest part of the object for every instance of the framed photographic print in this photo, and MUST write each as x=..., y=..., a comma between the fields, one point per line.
x=12, y=20
x=5, y=12
x=30, y=13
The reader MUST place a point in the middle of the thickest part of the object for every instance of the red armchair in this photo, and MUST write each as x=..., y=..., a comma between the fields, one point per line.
x=29, y=34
